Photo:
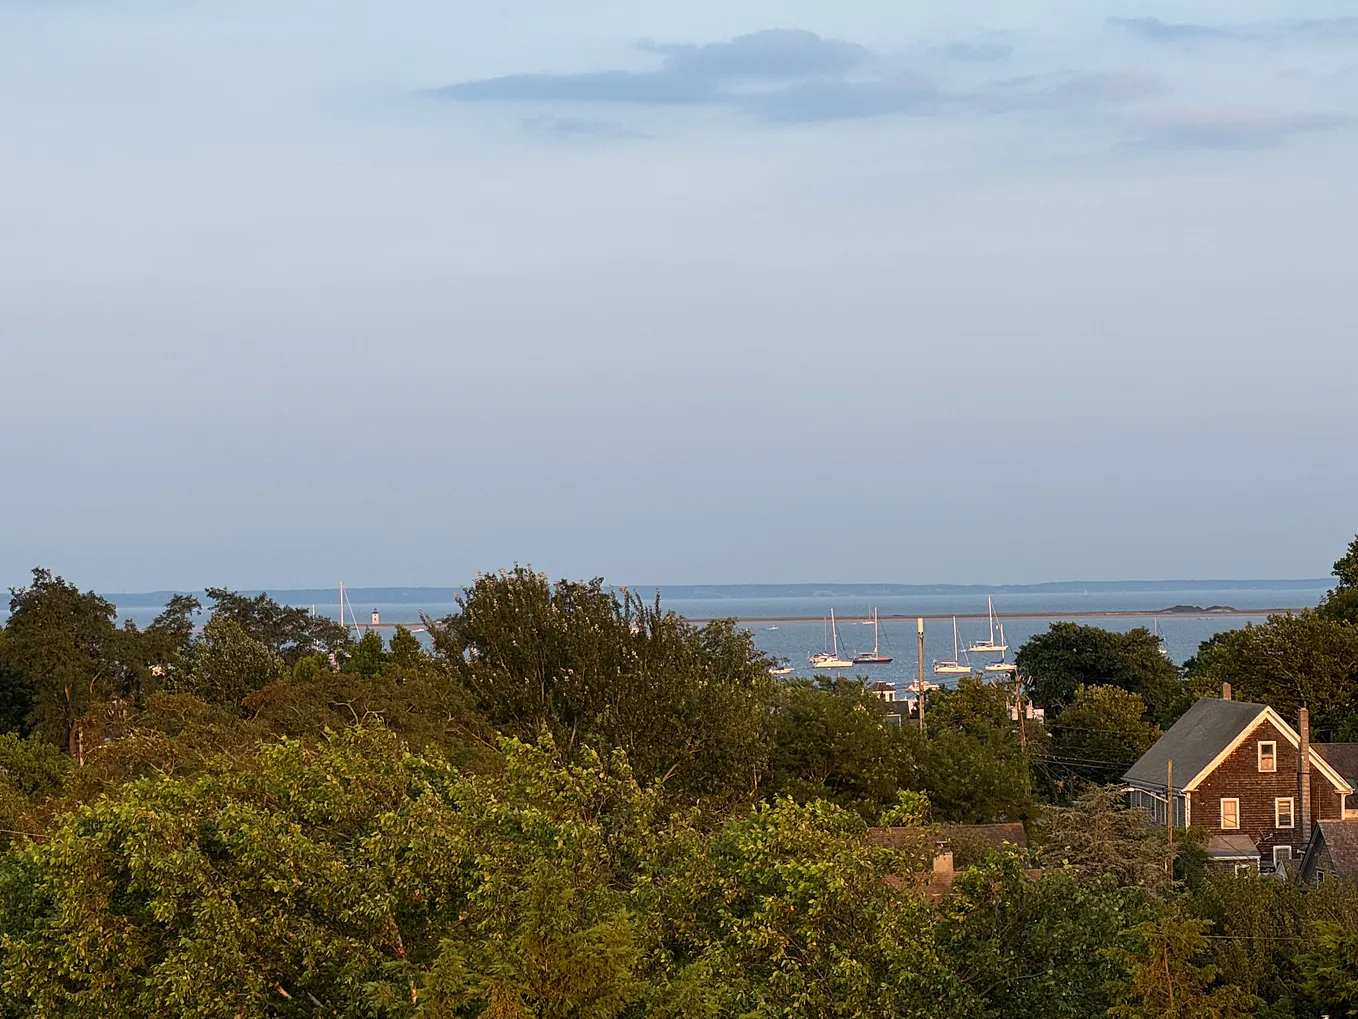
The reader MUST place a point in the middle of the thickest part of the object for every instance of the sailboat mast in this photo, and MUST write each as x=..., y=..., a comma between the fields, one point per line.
x=876, y=646
x=954, y=638
x=834, y=632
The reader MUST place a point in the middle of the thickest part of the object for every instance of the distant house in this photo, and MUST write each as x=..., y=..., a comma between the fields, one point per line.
x=883, y=690
x=1239, y=773
x=1332, y=852
x=1343, y=758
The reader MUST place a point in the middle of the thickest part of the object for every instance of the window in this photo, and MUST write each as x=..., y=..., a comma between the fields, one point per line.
x=1320, y=875
x=1230, y=814
x=1268, y=756
x=1247, y=868
x=1281, y=854
x=1282, y=812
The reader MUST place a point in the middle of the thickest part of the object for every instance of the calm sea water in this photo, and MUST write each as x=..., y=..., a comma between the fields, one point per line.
x=793, y=641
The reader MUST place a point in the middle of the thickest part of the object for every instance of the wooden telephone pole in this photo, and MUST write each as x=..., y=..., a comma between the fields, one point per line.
x=919, y=685
x=1169, y=812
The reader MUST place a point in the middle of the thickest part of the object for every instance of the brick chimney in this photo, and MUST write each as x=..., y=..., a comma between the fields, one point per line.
x=1304, y=773
x=1225, y=691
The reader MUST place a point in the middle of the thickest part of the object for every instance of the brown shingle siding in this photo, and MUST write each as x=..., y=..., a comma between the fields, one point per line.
x=1238, y=776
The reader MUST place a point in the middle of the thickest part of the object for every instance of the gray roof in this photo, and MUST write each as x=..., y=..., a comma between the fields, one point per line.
x=1193, y=742
x=1342, y=757
x=1341, y=839
x=1231, y=845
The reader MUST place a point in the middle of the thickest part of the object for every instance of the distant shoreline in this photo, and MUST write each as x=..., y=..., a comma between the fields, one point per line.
x=934, y=617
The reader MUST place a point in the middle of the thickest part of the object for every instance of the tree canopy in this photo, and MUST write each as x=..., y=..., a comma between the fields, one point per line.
x=1068, y=656
x=574, y=805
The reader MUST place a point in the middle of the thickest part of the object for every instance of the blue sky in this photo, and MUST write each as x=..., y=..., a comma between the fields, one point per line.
x=702, y=292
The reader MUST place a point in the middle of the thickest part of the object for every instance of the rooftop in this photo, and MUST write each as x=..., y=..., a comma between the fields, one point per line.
x=1194, y=741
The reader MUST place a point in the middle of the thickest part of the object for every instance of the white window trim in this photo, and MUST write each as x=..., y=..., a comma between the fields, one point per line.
x=1282, y=849
x=1291, y=812
x=1273, y=759
x=1230, y=827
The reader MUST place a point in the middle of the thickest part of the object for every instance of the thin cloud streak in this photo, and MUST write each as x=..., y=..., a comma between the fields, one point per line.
x=1271, y=32
x=1230, y=129
x=790, y=77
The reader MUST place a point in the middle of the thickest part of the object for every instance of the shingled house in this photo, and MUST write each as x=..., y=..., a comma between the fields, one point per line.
x=1241, y=772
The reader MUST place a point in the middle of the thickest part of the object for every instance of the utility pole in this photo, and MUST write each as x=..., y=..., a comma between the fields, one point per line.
x=1169, y=806
x=919, y=685
x=1018, y=711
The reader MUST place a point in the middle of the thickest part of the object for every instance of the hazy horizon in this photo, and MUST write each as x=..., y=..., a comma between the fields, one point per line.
x=800, y=589
x=702, y=292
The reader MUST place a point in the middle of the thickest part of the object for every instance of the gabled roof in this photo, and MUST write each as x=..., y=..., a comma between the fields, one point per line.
x=1195, y=741
x=1206, y=735
x=1341, y=839
x=1343, y=757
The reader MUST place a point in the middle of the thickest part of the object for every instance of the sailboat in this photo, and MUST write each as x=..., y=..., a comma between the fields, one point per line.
x=953, y=668
x=1159, y=637
x=1002, y=665
x=876, y=658
x=830, y=659
x=989, y=647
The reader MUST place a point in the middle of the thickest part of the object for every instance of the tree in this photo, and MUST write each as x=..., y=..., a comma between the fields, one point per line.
x=1346, y=567
x=1303, y=658
x=63, y=654
x=1098, y=836
x=288, y=631
x=687, y=704
x=972, y=706
x=31, y=770
x=1328, y=961
x=405, y=651
x=225, y=665
x=1165, y=978
x=1033, y=949
x=831, y=741
x=788, y=912
x=1056, y=663
x=972, y=777
x=1341, y=602
x=341, y=878
x=1260, y=923
x=368, y=656
x=1101, y=735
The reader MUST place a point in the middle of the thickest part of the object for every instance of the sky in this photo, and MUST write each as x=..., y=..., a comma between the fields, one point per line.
x=390, y=294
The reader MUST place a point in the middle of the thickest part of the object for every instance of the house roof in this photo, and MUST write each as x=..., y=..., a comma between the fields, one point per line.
x=1341, y=839
x=1195, y=741
x=1343, y=757
x=993, y=835
x=1205, y=734
x=1231, y=845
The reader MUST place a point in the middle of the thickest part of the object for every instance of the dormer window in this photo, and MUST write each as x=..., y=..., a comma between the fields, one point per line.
x=1268, y=756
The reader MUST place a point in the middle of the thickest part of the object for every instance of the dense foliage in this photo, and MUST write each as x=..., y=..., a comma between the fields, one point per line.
x=577, y=806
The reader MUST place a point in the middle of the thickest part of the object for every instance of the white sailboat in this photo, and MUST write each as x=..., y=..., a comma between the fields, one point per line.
x=953, y=667
x=830, y=659
x=989, y=647
x=876, y=658
x=1002, y=665
x=1159, y=637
